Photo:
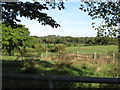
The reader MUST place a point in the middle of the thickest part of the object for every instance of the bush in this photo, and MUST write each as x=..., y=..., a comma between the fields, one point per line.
x=30, y=66
x=59, y=47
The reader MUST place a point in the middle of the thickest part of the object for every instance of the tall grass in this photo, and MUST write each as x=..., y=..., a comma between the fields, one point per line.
x=54, y=68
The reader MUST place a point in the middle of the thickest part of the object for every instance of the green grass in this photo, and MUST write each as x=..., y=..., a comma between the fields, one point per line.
x=93, y=49
x=8, y=57
x=45, y=67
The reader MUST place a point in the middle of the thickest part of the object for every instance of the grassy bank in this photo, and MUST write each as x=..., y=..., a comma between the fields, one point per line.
x=64, y=68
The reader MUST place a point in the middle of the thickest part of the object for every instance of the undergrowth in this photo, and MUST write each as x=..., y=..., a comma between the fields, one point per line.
x=63, y=68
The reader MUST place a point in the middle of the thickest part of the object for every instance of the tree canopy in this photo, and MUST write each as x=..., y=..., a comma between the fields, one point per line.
x=108, y=11
x=10, y=11
x=15, y=38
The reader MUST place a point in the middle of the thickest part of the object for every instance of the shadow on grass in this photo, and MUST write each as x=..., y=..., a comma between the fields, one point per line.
x=42, y=68
x=34, y=67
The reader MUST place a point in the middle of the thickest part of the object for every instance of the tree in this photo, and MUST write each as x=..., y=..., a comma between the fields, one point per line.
x=59, y=47
x=108, y=11
x=10, y=11
x=15, y=38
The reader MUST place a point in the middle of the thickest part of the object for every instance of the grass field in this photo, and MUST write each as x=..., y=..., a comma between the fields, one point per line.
x=92, y=68
x=109, y=49
x=92, y=49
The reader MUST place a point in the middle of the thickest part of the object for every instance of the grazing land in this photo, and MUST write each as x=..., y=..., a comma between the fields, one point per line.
x=78, y=51
x=57, y=55
x=65, y=66
x=93, y=49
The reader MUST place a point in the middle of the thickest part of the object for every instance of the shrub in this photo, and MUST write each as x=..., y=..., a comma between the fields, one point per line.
x=59, y=47
x=30, y=67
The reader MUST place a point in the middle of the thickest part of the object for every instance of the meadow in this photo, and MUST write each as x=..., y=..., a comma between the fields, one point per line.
x=65, y=67
x=92, y=49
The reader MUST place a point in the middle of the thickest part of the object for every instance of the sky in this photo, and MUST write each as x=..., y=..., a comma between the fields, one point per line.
x=73, y=23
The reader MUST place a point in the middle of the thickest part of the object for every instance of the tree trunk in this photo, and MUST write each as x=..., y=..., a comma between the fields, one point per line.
x=9, y=52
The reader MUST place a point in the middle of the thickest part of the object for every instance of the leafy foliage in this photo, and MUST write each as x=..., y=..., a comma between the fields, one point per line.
x=59, y=47
x=10, y=11
x=108, y=11
x=15, y=38
x=76, y=41
x=103, y=30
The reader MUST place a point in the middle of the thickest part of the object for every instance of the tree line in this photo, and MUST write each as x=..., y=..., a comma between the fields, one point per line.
x=75, y=41
x=19, y=38
x=108, y=11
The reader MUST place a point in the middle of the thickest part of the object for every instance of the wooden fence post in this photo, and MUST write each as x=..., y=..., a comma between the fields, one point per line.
x=50, y=85
x=59, y=54
x=113, y=56
x=77, y=54
x=94, y=55
x=41, y=55
x=46, y=56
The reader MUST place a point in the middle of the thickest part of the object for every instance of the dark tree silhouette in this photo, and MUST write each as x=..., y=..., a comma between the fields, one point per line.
x=10, y=11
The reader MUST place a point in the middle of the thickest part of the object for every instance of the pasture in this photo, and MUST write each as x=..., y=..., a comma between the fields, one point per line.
x=65, y=66
x=91, y=49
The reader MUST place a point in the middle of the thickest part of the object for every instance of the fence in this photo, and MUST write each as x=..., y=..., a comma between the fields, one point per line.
x=76, y=55
x=50, y=79
x=94, y=55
